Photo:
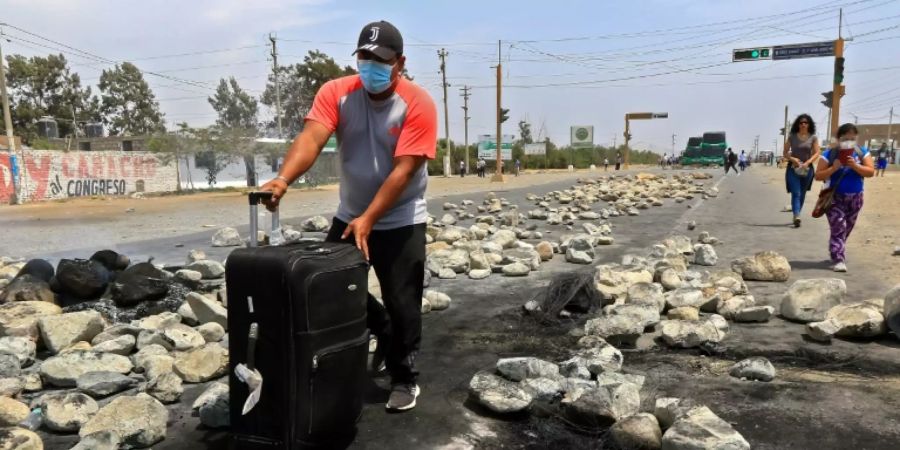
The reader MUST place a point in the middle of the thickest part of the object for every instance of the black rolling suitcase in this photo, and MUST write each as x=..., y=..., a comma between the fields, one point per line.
x=297, y=316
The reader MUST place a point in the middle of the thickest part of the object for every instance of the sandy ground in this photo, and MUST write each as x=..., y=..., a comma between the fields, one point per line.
x=877, y=231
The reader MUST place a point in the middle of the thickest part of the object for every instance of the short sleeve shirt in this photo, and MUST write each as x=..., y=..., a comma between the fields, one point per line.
x=802, y=150
x=852, y=182
x=370, y=134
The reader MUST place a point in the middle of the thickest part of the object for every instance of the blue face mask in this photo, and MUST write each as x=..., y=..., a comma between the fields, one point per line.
x=375, y=76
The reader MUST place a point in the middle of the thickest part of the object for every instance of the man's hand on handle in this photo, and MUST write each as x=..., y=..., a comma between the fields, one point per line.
x=360, y=228
x=278, y=188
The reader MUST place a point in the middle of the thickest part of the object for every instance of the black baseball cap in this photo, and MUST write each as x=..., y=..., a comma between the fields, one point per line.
x=380, y=38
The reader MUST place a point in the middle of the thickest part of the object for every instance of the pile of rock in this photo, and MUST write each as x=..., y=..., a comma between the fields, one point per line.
x=504, y=241
x=822, y=305
x=591, y=392
x=79, y=351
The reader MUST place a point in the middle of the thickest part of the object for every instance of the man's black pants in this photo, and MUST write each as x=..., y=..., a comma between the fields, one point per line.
x=398, y=256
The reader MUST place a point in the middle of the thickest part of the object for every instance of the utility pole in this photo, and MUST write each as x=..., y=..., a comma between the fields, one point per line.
x=443, y=55
x=465, y=95
x=890, y=123
x=277, y=85
x=673, y=143
x=838, y=91
x=498, y=173
x=7, y=119
x=787, y=128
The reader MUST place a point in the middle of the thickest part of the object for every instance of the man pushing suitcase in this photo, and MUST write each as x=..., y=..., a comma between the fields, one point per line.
x=386, y=130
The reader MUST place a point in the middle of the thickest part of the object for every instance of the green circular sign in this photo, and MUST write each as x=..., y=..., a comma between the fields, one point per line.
x=581, y=134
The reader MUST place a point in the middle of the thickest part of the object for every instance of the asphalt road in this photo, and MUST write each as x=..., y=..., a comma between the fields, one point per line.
x=846, y=395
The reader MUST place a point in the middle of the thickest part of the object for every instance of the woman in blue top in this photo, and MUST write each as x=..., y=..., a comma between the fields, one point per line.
x=843, y=167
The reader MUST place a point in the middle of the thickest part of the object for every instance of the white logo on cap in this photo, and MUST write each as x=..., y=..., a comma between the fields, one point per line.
x=374, y=33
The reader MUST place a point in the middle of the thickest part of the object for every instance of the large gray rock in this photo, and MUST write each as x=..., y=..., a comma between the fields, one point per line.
x=669, y=409
x=529, y=257
x=22, y=348
x=212, y=391
x=122, y=345
x=755, y=314
x=316, y=223
x=139, y=421
x=810, y=300
x=505, y=238
x=167, y=387
x=438, y=300
x=521, y=368
x=184, y=337
x=861, y=320
x=542, y=389
x=227, y=237
x=705, y=255
x=27, y=288
x=688, y=334
x=823, y=331
x=650, y=294
x=729, y=308
x=12, y=412
x=640, y=431
x=892, y=309
x=701, y=429
x=602, y=407
x=67, y=411
x=61, y=331
x=215, y=412
x=595, y=360
x=516, y=270
x=63, y=370
x=101, y=440
x=208, y=269
x=211, y=332
x=498, y=394
x=756, y=368
x=103, y=383
x=456, y=260
x=157, y=322
x=116, y=331
x=208, y=310
x=202, y=363
x=578, y=257
x=763, y=266
x=648, y=315
x=692, y=297
x=619, y=330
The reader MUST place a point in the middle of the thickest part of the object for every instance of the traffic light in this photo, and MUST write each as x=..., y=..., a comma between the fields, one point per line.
x=752, y=54
x=838, y=70
x=504, y=115
x=782, y=131
x=828, y=96
x=627, y=135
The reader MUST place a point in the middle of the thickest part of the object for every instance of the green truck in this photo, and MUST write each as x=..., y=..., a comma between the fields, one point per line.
x=709, y=151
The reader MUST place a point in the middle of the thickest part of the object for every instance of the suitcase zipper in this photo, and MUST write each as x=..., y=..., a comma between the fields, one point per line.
x=338, y=348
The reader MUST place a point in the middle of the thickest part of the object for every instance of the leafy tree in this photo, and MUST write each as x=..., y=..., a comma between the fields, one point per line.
x=299, y=84
x=128, y=104
x=215, y=153
x=176, y=147
x=525, y=132
x=44, y=86
x=237, y=124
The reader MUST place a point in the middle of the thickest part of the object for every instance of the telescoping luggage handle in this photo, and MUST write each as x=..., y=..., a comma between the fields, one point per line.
x=275, y=237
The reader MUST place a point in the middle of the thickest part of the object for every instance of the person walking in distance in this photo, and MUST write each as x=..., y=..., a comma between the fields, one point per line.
x=618, y=161
x=882, y=162
x=386, y=130
x=801, y=150
x=605, y=164
x=462, y=169
x=731, y=161
x=742, y=160
x=843, y=168
x=518, y=167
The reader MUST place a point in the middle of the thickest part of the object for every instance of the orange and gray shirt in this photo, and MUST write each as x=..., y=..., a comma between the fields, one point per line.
x=370, y=134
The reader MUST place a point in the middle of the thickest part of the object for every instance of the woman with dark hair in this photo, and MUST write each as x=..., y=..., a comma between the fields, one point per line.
x=843, y=168
x=801, y=150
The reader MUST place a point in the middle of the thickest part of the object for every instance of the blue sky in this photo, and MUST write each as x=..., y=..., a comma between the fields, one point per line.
x=591, y=47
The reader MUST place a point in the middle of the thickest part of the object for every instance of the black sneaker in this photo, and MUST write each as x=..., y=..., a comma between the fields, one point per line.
x=403, y=397
x=796, y=222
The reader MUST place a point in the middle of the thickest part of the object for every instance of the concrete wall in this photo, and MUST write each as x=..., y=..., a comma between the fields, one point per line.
x=101, y=144
x=50, y=174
